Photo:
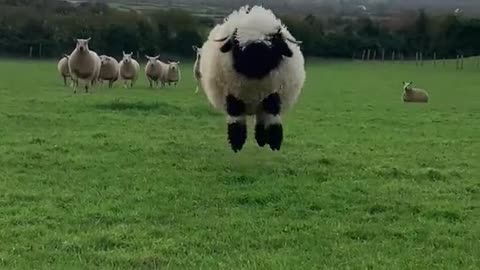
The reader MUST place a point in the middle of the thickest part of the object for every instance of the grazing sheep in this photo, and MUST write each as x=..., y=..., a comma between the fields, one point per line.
x=252, y=65
x=109, y=70
x=171, y=73
x=412, y=94
x=153, y=70
x=84, y=65
x=129, y=69
x=63, y=69
x=196, y=67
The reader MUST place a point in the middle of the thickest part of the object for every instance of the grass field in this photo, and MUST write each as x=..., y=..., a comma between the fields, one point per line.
x=145, y=179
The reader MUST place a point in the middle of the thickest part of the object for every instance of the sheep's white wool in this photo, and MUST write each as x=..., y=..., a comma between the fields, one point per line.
x=252, y=25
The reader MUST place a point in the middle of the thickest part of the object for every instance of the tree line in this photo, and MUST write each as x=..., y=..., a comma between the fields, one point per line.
x=49, y=27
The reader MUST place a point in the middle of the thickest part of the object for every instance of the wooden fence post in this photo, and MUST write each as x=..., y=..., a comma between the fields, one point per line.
x=363, y=55
x=31, y=52
x=383, y=55
x=434, y=59
x=368, y=55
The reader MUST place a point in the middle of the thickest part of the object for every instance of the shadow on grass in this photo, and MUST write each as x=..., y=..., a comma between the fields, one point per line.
x=156, y=107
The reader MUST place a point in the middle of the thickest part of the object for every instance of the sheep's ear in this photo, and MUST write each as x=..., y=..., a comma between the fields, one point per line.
x=195, y=48
x=123, y=52
x=227, y=46
x=131, y=53
x=158, y=56
x=89, y=38
x=282, y=47
x=178, y=62
x=146, y=56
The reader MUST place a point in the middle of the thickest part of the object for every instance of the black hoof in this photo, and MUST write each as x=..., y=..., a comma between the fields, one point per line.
x=237, y=135
x=275, y=136
x=260, y=134
x=235, y=107
x=271, y=104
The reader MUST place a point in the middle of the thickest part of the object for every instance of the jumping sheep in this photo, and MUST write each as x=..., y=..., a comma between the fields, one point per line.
x=84, y=65
x=129, y=69
x=153, y=70
x=412, y=94
x=252, y=65
x=110, y=70
x=196, y=67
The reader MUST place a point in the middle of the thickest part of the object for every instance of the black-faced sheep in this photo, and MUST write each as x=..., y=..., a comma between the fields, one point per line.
x=252, y=65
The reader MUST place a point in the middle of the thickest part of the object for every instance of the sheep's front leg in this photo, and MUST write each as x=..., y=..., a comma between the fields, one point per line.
x=237, y=124
x=272, y=134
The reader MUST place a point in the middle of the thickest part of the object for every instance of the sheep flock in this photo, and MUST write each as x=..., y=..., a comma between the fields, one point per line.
x=249, y=66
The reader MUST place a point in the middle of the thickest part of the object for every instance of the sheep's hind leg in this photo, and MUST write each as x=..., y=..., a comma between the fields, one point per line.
x=260, y=130
x=237, y=124
x=271, y=106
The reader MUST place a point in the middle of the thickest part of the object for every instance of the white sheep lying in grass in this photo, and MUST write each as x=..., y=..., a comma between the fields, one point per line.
x=84, y=65
x=154, y=70
x=196, y=67
x=129, y=69
x=252, y=65
x=412, y=94
x=110, y=70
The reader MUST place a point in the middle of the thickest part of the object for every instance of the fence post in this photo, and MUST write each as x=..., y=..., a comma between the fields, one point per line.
x=375, y=55
x=40, y=50
x=457, y=62
x=434, y=59
x=461, y=63
x=31, y=52
x=363, y=55
x=416, y=59
x=368, y=55
x=393, y=55
x=421, y=59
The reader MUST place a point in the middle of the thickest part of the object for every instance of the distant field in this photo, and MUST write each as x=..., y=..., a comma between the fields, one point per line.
x=144, y=179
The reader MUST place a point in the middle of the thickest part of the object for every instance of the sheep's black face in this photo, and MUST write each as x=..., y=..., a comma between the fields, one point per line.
x=257, y=59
